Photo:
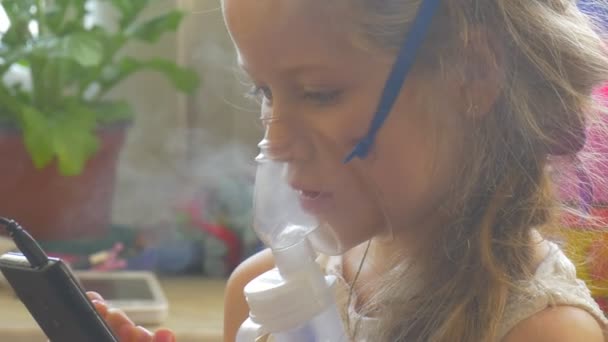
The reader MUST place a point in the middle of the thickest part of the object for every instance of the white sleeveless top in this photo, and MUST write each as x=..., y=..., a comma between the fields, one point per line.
x=554, y=283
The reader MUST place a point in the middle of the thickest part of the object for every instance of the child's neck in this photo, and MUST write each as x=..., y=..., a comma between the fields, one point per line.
x=383, y=254
x=402, y=243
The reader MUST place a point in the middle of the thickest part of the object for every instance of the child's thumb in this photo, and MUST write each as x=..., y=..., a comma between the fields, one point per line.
x=163, y=335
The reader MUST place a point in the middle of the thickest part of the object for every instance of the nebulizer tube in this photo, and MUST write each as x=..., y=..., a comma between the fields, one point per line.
x=294, y=301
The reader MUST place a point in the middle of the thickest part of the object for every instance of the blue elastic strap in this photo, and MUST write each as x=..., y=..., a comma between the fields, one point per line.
x=401, y=68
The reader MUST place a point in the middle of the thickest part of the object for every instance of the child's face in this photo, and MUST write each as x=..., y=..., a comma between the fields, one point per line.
x=323, y=92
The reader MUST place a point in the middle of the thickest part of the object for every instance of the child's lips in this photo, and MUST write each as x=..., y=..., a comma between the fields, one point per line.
x=309, y=194
x=314, y=201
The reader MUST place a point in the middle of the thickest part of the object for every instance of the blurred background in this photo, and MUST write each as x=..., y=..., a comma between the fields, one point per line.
x=127, y=133
x=127, y=145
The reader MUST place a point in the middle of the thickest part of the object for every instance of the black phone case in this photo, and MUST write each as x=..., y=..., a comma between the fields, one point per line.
x=56, y=300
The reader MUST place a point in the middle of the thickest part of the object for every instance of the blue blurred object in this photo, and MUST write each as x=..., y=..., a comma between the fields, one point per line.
x=169, y=257
x=598, y=11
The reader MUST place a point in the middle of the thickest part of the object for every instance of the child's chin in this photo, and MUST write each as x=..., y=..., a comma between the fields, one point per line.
x=325, y=240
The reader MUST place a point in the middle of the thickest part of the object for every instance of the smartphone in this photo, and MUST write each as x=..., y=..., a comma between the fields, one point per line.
x=137, y=293
x=55, y=299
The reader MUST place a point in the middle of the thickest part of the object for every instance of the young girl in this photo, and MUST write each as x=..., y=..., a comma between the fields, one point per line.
x=460, y=161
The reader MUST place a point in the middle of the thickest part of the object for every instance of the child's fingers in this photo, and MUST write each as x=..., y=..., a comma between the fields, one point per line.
x=122, y=326
x=94, y=295
x=118, y=321
x=99, y=303
x=101, y=308
x=125, y=332
x=163, y=335
x=131, y=333
x=141, y=335
x=118, y=317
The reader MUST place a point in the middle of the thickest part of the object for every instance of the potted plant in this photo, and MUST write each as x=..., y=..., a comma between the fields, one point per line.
x=60, y=134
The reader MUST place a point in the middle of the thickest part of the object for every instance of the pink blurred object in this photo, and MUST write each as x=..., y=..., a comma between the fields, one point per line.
x=111, y=260
x=106, y=260
x=597, y=144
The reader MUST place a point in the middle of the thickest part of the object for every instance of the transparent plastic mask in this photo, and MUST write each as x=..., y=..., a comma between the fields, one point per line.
x=280, y=221
x=304, y=189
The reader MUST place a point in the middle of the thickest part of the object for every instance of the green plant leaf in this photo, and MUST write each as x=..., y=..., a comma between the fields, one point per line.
x=83, y=47
x=59, y=115
x=74, y=139
x=123, y=6
x=54, y=17
x=71, y=73
x=121, y=69
x=130, y=7
x=69, y=137
x=36, y=136
x=108, y=112
x=17, y=34
x=184, y=79
x=113, y=74
x=10, y=101
x=19, y=15
x=150, y=31
x=129, y=10
x=18, y=10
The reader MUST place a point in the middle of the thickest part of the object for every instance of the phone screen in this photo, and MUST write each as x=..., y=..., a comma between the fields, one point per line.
x=119, y=289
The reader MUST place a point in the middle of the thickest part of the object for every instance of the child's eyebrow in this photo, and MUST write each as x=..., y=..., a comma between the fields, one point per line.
x=307, y=68
x=291, y=67
x=296, y=70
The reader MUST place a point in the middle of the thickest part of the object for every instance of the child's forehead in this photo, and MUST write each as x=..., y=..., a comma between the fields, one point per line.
x=314, y=7
x=289, y=16
x=286, y=33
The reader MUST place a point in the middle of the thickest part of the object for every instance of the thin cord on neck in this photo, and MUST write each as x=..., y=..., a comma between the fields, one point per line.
x=351, y=292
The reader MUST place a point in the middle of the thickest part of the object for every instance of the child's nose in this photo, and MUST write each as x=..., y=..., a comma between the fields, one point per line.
x=285, y=141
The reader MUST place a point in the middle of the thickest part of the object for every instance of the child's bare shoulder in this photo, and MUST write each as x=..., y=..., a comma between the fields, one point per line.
x=557, y=324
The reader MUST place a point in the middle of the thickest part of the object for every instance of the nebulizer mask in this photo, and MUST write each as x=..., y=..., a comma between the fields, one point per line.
x=299, y=211
x=314, y=194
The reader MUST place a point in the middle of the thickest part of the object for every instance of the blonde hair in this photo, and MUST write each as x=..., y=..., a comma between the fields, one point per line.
x=550, y=57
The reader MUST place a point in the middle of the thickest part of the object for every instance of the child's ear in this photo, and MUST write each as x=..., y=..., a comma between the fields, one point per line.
x=482, y=72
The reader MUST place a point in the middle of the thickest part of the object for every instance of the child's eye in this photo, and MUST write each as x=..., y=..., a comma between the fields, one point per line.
x=260, y=92
x=323, y=97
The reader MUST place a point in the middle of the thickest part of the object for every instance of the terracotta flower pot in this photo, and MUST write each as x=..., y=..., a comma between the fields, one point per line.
x=51, y=206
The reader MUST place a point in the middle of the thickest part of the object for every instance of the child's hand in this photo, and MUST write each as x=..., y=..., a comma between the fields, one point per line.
x=124, y=328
